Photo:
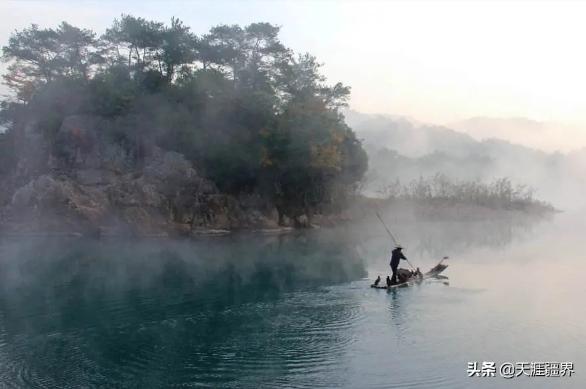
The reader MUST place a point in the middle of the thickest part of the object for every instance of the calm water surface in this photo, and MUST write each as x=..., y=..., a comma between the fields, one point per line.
x=294, y=311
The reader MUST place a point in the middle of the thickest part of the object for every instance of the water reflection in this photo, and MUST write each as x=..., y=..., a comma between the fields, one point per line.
x=90, y=313
x=288, y=311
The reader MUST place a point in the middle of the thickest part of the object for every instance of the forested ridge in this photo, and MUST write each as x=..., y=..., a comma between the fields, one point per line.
x=248, y=113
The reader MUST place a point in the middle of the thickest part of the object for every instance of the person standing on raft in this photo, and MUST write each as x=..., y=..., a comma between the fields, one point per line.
x=396, y=256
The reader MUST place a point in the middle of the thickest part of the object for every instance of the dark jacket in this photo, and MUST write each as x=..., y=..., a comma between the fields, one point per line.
x=396, y=258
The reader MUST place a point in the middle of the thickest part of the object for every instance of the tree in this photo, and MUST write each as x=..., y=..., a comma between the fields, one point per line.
x=250, y=55
x=34, y=56
x=134, y=40
x=301, y=76
x=177, y=47
x=223, y=46
x=77, y=51
x=312, y=158
x=39, y=56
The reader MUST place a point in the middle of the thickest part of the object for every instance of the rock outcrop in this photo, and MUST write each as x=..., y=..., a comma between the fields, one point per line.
x=89, y=185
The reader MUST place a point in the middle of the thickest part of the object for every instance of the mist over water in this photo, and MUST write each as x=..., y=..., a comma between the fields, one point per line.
x=140, y=128
x=293, y=310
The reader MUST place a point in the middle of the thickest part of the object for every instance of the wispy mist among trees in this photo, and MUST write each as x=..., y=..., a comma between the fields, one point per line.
x=242, y=107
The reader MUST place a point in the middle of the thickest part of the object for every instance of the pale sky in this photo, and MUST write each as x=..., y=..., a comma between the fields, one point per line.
x=436, y=61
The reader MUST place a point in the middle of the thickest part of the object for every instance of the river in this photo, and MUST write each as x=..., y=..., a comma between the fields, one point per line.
x=295, y=311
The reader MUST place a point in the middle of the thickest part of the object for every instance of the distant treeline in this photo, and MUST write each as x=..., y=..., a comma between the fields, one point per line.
x=440, y=189
x=248, y=112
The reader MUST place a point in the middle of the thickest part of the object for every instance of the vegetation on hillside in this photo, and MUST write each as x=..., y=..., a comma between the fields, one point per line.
x=252, y=115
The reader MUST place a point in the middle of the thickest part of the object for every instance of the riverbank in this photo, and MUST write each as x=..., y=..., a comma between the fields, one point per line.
x=73, y=219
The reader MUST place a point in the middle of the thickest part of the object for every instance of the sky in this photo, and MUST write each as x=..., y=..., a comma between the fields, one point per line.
x=438, y=62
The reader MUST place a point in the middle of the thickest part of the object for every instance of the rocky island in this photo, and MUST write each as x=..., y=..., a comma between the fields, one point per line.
x=149, y=129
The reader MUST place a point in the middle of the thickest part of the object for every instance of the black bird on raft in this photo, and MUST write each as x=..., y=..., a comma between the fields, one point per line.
x=377, y=281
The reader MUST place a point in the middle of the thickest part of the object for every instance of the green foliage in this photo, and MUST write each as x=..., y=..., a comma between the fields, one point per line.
x=134, y=39
x=7, y=153
x=113, y=91
x=313, y=157
x=239, y=104
x=177, y=47
x=38, y=56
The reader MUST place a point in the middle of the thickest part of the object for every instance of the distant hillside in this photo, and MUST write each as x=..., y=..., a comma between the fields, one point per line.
x=407, y=136
x=546, y=136
x=485, y=127
x=400, y=148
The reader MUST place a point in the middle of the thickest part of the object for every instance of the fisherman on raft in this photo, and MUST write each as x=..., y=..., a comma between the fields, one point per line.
x=400, y=276
x=396, y=256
